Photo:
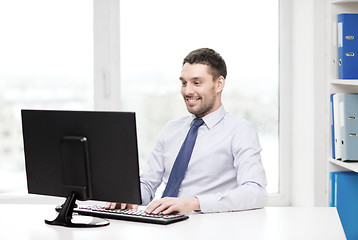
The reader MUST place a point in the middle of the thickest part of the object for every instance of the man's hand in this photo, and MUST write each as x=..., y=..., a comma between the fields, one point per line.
x=169, y=205
x=113, y=205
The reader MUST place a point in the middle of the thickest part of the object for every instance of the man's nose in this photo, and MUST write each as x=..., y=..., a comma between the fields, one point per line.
x=189, y=89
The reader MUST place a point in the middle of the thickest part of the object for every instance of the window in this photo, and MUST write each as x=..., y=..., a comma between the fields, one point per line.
x=46, y=63
x=156, y=35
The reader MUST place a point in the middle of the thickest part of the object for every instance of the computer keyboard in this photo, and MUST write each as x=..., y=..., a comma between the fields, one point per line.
x=129, y=215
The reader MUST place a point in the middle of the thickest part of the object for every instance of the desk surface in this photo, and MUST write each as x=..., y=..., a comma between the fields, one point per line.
x=26, y=222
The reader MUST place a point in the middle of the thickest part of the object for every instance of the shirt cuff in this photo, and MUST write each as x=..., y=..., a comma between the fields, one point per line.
x=206, y=202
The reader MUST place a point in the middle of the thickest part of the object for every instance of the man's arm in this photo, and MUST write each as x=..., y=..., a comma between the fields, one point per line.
x=250, y=192
x=247, y=196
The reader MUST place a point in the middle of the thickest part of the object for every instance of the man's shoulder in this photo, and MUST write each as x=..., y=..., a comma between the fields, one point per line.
x=178, y=122
x=238, y=126
x=175, y=126
x=233, y=119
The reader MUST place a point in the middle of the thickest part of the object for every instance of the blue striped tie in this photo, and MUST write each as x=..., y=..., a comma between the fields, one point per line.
x=182, y=161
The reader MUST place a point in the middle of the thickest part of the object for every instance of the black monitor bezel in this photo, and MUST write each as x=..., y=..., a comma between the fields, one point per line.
x=112, y=150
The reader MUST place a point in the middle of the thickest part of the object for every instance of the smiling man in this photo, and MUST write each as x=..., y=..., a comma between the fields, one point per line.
x=209, y=161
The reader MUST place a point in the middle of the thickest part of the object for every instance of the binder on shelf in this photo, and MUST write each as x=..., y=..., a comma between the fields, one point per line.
x=345, y=200
x=347, y=45
x=337, y=127
x=348, y=122
x=333, y=139
x=332, y=176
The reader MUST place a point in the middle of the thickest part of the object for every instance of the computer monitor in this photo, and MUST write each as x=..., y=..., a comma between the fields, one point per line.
x=81, y=155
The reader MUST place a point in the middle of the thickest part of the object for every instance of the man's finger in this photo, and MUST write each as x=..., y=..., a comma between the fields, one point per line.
x=170, y=210
x=163, y=206
x=110, y=205
x=153, y=205
x=132, y=206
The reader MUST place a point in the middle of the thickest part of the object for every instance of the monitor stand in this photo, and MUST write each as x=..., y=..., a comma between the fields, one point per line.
x=66, y=218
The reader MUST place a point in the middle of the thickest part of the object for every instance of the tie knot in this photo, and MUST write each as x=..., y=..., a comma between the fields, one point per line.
x=198, y=122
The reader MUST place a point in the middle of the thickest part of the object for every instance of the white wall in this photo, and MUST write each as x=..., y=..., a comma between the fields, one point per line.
x=308, y=180
x=302, y=103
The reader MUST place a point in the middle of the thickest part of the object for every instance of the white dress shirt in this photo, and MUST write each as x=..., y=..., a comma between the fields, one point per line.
x=225, y=171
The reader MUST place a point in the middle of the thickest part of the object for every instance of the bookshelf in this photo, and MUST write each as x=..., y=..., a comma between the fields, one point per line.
x=336, y=85
x=351, y=166
x=345, y=82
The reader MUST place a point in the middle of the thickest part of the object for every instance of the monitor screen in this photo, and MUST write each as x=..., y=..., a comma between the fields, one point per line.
x=82, y=155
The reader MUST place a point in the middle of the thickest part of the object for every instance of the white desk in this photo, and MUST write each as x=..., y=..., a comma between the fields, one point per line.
x=26, y=222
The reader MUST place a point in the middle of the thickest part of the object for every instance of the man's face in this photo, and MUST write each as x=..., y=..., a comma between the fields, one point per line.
x=201, y=93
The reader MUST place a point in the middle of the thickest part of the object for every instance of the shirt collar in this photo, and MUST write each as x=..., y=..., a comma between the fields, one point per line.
x=213, y=118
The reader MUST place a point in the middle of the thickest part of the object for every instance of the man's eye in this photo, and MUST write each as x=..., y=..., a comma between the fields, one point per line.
x=197, y=83
x=183, y=83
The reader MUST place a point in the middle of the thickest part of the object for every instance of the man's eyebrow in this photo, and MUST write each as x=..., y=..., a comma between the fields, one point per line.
x=191, y=79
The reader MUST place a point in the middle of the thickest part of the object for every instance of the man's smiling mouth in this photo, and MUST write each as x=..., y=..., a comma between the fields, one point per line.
x=192, y=99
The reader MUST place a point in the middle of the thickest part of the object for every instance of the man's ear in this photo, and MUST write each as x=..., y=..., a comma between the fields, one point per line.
x=220, y=83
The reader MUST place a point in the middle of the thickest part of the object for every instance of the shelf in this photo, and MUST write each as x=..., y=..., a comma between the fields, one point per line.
x=351, y=82
x=344, y=1
x=352, y=166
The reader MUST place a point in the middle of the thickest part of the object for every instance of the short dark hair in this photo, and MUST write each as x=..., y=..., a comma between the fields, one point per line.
x=210, y=58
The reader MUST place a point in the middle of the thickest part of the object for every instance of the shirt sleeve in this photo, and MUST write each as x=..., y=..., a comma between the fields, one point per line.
x=152, y=174
x=250, y=192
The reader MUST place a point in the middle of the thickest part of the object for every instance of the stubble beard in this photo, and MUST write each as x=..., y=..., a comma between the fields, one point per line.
x=200, y=110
